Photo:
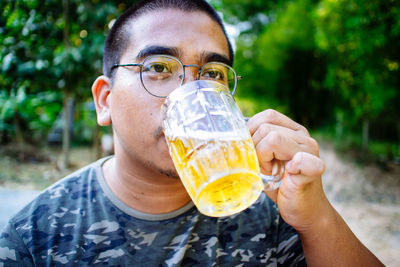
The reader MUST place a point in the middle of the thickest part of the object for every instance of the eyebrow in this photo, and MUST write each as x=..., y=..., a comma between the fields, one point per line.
x=157, y=50
x=175, y=52
x=215, y=57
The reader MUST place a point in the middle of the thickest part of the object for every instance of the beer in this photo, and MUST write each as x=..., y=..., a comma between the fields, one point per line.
x=221, y=176
x=211, y=148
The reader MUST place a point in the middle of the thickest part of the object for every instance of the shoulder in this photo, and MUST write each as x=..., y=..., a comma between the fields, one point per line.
x=77, y=184
x=54, y=219
x=64, y=199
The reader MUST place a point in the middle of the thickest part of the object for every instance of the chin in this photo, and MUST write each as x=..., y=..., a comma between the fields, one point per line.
x=169, y=170
x=167, y=167
x=170, y=173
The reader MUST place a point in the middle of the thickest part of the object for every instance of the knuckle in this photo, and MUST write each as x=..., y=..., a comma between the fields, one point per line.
x=313, y=144
x=263, y=153
x=322, y=167
x=271, y=115
x=274, y=138
x=261, y=147
x=264, y=129
x=301, y=160
x=304, y=130
x=298, y=158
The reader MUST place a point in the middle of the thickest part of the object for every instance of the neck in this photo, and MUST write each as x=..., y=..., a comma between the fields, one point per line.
x=142, y=188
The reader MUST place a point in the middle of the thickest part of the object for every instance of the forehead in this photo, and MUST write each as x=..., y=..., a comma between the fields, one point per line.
x=192, y=33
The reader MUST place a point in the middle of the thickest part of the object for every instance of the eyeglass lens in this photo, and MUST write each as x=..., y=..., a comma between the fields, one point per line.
x=162, y=74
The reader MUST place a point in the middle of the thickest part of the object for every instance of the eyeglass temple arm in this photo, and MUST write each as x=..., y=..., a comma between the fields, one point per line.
x=127, y=65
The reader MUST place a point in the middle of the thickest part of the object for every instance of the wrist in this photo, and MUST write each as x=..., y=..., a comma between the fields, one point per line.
x=323, y=222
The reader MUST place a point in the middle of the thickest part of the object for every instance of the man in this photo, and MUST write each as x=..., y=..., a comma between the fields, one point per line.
x=132, y=210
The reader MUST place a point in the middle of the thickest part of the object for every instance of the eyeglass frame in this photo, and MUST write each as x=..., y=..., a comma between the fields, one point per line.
x=140, y=65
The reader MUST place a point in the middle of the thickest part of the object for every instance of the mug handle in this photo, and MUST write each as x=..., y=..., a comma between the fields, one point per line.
x=273, y=181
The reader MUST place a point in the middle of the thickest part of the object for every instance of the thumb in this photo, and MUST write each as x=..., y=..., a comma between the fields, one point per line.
x=305, y=166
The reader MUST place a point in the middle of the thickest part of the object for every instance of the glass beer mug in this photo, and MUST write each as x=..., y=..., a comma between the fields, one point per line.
x=212, y=149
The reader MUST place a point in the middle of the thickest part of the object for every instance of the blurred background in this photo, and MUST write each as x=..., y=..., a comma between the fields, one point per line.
x=331, y=65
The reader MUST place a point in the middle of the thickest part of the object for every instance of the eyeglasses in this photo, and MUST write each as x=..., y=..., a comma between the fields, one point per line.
x=161, y=74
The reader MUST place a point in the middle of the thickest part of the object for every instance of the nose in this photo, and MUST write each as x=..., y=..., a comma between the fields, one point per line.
x=191, y=73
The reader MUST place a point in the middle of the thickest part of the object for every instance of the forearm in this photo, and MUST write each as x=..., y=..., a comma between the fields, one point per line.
x=332, y=243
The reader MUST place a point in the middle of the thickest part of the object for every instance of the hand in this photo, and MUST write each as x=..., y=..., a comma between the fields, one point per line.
x=300, y=198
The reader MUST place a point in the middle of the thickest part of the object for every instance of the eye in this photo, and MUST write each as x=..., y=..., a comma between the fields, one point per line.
x=214, y=74
x=215, y=71
x=157, y=67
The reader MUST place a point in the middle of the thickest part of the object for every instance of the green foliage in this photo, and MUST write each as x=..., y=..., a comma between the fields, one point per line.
x=86, y=121
x=35, y=113
x=361, y=40
x=326, y=63
x=48, y=49
x=282, y=68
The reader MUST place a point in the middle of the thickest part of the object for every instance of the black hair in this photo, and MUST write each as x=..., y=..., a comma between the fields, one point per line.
x=117, y=39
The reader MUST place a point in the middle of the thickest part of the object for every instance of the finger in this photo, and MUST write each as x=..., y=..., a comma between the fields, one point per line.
x=276, y=146
x=306, y=142
x=273, y=167
x=274, y=117
x=305, y=164
x=265, y=128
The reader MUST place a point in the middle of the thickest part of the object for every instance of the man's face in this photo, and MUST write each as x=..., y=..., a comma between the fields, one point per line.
x=194, y=38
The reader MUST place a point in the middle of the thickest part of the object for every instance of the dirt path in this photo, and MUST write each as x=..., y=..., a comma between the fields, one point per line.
x=369, y=201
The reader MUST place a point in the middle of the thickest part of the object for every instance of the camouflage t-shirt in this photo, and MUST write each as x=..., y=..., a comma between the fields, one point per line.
x=80, y=222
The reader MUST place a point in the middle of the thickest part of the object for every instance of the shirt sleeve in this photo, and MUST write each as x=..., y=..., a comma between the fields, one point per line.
x=13, y=251
x=290, y=249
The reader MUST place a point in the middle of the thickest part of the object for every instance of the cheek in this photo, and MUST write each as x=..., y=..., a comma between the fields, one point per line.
x=127, y=101
x=136, y=115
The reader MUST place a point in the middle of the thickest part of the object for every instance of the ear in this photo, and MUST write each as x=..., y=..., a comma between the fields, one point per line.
x=101, y=90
